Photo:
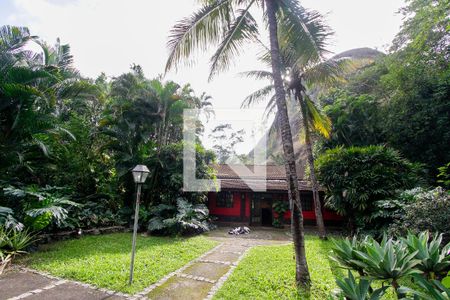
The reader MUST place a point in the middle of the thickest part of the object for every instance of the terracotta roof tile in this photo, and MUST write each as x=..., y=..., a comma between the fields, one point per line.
x=275, y=177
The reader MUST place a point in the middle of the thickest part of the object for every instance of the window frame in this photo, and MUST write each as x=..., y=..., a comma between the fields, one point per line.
x=224, y=200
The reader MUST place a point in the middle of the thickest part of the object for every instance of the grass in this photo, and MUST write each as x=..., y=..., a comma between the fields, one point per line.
x=268, y=272
x=104, y=260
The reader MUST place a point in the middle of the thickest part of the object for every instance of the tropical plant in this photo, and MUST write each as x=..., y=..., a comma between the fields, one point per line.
x=303, y=74
x=357, y=177
x=7, y=219
x=280, y=207
x=12, y=243
x=230, y=24
x=444, y=176
x=434, y=257
x=429, y=211
x=361, y=290
x=429, y=290
x=184, y=218
x=388, y=260
x=41, y=206
x=345, y=253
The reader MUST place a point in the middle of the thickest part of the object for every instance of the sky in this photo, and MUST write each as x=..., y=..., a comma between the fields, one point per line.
x=110, y=35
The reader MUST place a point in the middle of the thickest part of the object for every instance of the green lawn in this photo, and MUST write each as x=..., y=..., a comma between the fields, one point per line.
x=268, y=272
x=104, y=260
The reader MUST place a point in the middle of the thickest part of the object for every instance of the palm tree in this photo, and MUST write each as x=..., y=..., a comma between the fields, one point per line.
x=229, y=24
x=302, y=72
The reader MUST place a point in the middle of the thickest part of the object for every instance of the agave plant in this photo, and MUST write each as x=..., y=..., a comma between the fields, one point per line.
x=429, y=290
x=353, y=290
x=433, y=259
x=388, y=260
x=345, y=253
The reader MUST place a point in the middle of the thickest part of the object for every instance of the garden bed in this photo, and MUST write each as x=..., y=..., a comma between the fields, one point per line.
x=268, y=272
x=104, y=260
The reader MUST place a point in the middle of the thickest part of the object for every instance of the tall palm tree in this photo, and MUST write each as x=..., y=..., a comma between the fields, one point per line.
x=300, y=73
x=229, y=25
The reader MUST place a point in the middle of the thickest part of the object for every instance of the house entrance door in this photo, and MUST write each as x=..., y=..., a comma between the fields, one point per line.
x=261, y=209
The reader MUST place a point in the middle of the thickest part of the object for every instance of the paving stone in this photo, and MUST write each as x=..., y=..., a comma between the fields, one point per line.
x=70, y=291
x=177, y=288
x=232, y=248
x=220, y=256
x=207, y=270
x=15, y=283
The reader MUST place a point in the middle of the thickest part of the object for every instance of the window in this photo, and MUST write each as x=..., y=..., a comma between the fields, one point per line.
x=307, y=203
x=224, y=199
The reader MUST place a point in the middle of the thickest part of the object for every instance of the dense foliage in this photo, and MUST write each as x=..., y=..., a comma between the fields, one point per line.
x=68, y=143
x=423, y=210
x=357, y=178
x=402, y=98
x=423, y=259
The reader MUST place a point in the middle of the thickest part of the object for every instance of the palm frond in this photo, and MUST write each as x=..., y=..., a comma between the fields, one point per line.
x=304, y=30
x=318, y=120
x=203, y=28
x=258, y=96
x=259, y=74
x=327, y=73
x=243, y=29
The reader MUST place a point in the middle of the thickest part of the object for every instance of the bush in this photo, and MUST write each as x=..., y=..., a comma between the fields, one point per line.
x=185, y=218
x=430, y=210
x=13, y=242
x=357, y=177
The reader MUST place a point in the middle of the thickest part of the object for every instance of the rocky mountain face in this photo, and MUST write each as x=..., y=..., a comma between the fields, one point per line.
x=362, y=57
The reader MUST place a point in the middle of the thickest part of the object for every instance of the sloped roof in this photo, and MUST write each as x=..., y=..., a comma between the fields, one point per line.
x=229, y=171
x=275, y=177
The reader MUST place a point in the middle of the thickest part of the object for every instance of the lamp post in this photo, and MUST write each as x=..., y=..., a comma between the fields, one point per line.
x=140, y=173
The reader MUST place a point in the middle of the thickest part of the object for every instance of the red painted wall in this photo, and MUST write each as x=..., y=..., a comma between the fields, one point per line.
x=236, y=209
x=225, y=211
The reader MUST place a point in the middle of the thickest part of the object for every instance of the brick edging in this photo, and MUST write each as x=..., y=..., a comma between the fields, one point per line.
x=82, y=284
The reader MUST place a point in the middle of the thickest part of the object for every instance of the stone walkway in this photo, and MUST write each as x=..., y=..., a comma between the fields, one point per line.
x=199, y=279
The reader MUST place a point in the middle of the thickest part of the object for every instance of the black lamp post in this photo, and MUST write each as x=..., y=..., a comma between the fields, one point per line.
x=140, y=173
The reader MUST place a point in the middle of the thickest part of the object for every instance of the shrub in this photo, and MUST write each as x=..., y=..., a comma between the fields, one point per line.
x=444, y=176
x=41, y=206
x=184, y=218
x=280, y=207
x=357, y=177
x=13, y=242
x=430, y=210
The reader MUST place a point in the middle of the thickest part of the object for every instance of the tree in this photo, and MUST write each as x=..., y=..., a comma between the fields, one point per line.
x=357, y=177
x=225, y=139
x=302, y=73
x=230, y=24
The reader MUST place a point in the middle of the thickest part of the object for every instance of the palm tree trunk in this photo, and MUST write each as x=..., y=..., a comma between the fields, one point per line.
x=312, y=170
x=302, y=273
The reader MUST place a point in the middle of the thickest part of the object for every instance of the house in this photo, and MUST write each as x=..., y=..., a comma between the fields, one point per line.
x=238, y=203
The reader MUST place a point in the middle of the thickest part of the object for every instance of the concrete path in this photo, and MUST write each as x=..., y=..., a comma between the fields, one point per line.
x=24, y=284
x=199, y=279
x=202, y=278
